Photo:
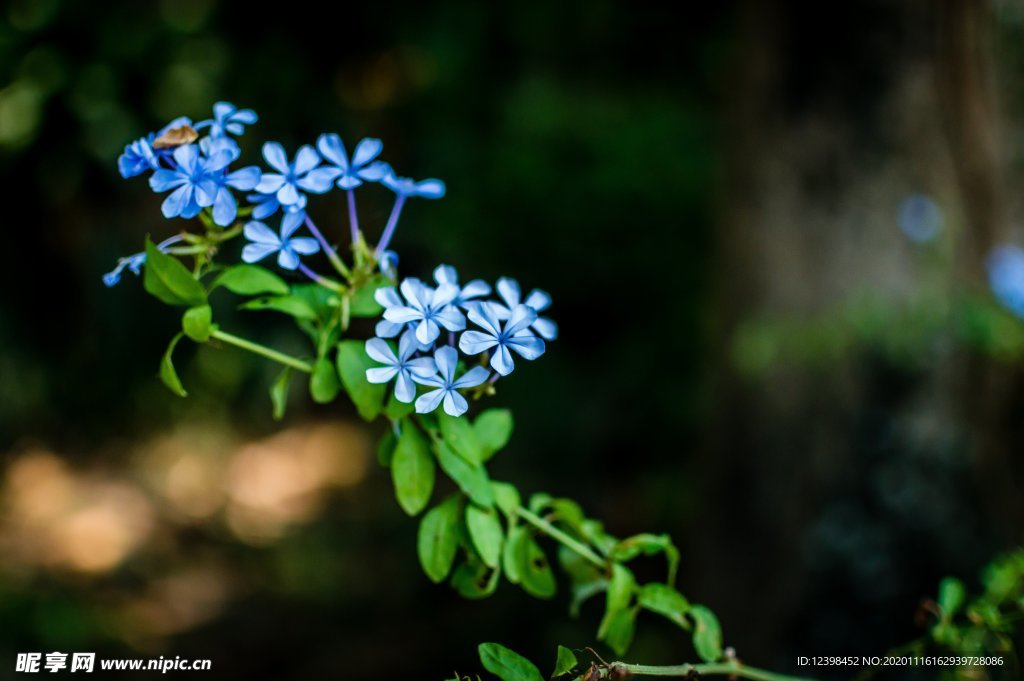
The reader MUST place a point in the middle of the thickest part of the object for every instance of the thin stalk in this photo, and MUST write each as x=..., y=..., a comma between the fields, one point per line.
x=733, y=669
x=353, y=219
x=262, y=350
x=389, y=228
x=323, y=281
x=332, y=255
x=562, y=538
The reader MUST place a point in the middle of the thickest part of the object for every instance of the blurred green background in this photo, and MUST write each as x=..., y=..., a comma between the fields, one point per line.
x=752, y=357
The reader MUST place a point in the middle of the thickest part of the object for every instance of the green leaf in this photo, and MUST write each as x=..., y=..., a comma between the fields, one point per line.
x=289, y=305
x=533, y=568
x=396, y=410
x=250, y=280
x=412, y=470
x=621, y=588
x=167, y=373
x=321, y=300
x=362, y=303
x=169, y=280
x=486, y=533
x=323, y=382
x=352, y=365
x=197, y=323
x=493, y=429
x=506, y=664
x=506, y=496
x=386, y=448
x=585, y=580
x=438, y=538
x=475, y=580
x=279, y=393
x=471, y=479
x=460, y=436
x=707, y=633
x=566, y=662
x=648, y=545
x=619, y=630
x=951, y=596
x=510, y=553
x=666, y=601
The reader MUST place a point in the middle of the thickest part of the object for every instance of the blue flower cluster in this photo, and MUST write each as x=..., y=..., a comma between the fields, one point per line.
x=195, y=170
x=1006, y=277
x=416, y=314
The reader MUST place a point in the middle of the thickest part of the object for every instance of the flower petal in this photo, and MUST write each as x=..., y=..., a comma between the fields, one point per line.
x=455, y=404
x=527, y=346
x=319, y=181
x=545, y=328
x=475, y=342
x=225, y=209
x=446, y=358
x=380, y=351
x=539, y=300
x=260, y=233
x=332, y=149
x=176, y=201
x=367, y=150
x=287, y=258
x=484, y=316
x=304, y=245
x=256, y=252
x=306, y=160
x=451, y=318
x=164, y=179
x=508, y=289
x=501, y=361
x=244, y=179
x=428, y=402
x=427, y=331
x=446, y=274
x=402, y=314
x=405, y=389
x=381, y=374
x=288, y=195
x=472, y=378
x=275, y=157
x=522, y=317
x=422, y=366
x=269, y=183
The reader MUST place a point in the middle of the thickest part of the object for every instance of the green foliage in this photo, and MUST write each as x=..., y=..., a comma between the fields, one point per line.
x=707, y=633
x=470, y=477
x=362, y=302
x=352, y=365
x=493, y=429
x=250, y=280
x=293, y=306
x=167, y=372
x=279, y=393
x=565, y=663
x=168, y=280
x=197, y=323
x=506, y=664
x=412, y=470
x=323, y=382
x=486, y=533
x=666, y=601
x=438, y=538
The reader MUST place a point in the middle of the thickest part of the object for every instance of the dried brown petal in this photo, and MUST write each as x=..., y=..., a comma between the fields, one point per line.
x=175, y=137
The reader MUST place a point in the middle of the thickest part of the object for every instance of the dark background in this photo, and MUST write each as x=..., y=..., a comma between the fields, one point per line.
x=690, y=184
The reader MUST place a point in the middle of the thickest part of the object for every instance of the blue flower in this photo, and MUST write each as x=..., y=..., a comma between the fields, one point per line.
x=225, y=206
x=404, y=186
x=388, y=264
x=227, y=118
x=288, y=247
x=1006, y=277
x=428, y=308
x=447, y=386
x=267, y=205
x=512, y=336
x=508, y=290
x=400, y=366
x=361, y=168
x=302, y=174
x=191, y=180
x=920, y=218
x=446, y=274
x=140, y=156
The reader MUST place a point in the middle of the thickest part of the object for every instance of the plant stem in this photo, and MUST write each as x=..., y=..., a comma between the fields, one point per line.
x=389, y=229
x=322, y=281
x=734, y=669
x=332, y=255
x=353, y=219
x=280, y=357
x=565, y=540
